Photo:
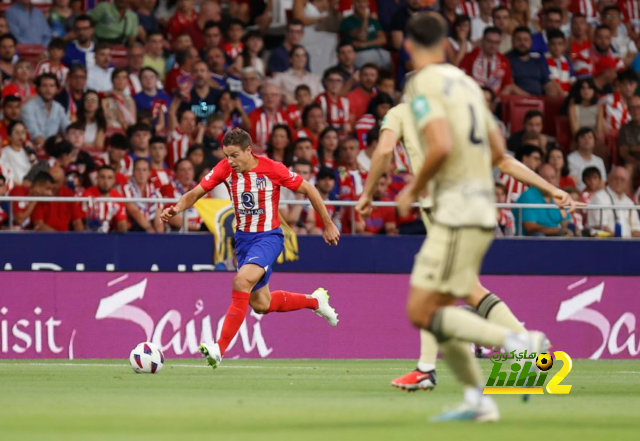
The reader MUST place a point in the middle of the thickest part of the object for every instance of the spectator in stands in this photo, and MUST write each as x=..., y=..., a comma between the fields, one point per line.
x=400, y=19
x=119, y=108
x=629, y=141
x=139, y=135
x=530, y=73
x=533, y=125
x=365, y=155
x=70, y=97
x=53, y=64
x=602, y=48
x=328, y=148
x=11, y=110
x=459, y=42
x=58, y=216
x=604, y=75
x=182, y=20
x=482, y=20
x=387, y=84
x=489, y=67
x=179, y=78
x=182, y=126
x=233, y=45
x=161, y=174
x=546, y=221
x=529, y=155
x=252, y=53
x=592, y=180
x=279, y=147
x=116, y=157
x=621, y=43
x=551, y=21
x=557, y=158
x=42, y=186
x=91, y=118
x=183, y=183
x=143, y=216
x=250, y=94
x=352, y=176
x=203, y=99
x=153, y=54
x=28, y=24
x=297, y=75
x=150, y=97
x=492, y=103
x=21, y=82
x=521, y=15
x=135, y=57
x=212, y=38
x=105, y=217
x=506, y=224
x=382, y=220
x=303, y=99
x=367, y=36
x=502, y=21
x=580, y=46
x=293, y=214
x=233, y=114
x=17, y=157
x=378, y=108
x=81, y=50
x=59, y=155
x=43, y=116
x=616, y=111
x=620, y=222
x=82, y=162
x=334, y=105
x=325, y=183
x=303, y=149
x=347, y=66
x=360, y=96
x=217, y=60
x=584, y=110
x=8, y=57
x=560, y=68
x=210, y=11
x=583, y=156
x=147, y=21
x=115, y=22
x=4, y=26
x=279, y=60
x=99, y=75
x=263, y=119
x=313, y=123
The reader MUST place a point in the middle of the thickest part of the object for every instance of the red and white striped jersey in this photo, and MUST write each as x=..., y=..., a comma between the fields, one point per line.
x=160, y=178
x=364, y=124
x=581, y=58
x=149, y=209
x=61, y=71
x=336, y=111
x=469, y=8
x=101, y=216
x=616, y=113
x=560, y=71
x=514, y=187
x=586, y=8
x=294, y=113
x=255, y=194
x=306, y=133
x=232, y=51
x=177, y=147
x=631, y=13
x=262, y=125
x=126, y=164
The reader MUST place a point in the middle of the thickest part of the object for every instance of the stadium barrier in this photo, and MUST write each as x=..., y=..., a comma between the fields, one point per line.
x=91, y=315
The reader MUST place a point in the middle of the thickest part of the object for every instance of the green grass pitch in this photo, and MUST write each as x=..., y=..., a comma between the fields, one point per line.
x=295, y=400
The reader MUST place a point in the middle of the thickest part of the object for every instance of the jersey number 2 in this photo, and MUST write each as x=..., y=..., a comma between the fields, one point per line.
x=473, y=136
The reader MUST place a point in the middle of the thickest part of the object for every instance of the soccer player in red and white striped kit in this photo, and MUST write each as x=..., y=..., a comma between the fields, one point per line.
x=254, y=185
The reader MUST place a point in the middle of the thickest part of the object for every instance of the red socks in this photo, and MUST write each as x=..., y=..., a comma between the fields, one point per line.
x=284, y=301
x=234, y=318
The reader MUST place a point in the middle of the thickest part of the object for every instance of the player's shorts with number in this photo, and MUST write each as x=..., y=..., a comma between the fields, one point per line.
x=449, y=260
x=261, y=249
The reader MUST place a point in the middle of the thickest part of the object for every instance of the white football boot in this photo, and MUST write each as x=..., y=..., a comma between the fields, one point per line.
x=212, y=354
x=324, y=309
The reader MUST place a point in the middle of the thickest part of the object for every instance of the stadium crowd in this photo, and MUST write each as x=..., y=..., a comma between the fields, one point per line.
x=131, y=98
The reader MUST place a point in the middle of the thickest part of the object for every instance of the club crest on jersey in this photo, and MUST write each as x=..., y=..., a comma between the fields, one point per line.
x=261, y=183
x=248, y=200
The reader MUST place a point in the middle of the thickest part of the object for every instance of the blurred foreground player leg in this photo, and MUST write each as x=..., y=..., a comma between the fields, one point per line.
x=459, y=161
x=254, y=185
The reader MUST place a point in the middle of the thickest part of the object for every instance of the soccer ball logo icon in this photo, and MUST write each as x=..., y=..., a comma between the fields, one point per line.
x=544, y=362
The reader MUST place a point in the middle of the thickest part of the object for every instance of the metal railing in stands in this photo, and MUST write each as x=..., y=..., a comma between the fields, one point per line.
x=184, y=229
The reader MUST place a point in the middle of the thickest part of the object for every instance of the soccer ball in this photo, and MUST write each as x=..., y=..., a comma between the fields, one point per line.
x=146, y=358
x=544, y=362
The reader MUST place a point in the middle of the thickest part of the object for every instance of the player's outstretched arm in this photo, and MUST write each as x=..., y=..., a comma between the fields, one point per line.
x=437, y=136
x=382, y=157
x=331, y=234
x=186, y=201
x=522, y=173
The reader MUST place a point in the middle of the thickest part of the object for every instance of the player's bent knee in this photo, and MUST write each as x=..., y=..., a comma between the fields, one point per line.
x=241, y=283
x=259, y=306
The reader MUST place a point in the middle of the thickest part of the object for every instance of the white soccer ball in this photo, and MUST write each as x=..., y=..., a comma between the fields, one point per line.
x=146, y=358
